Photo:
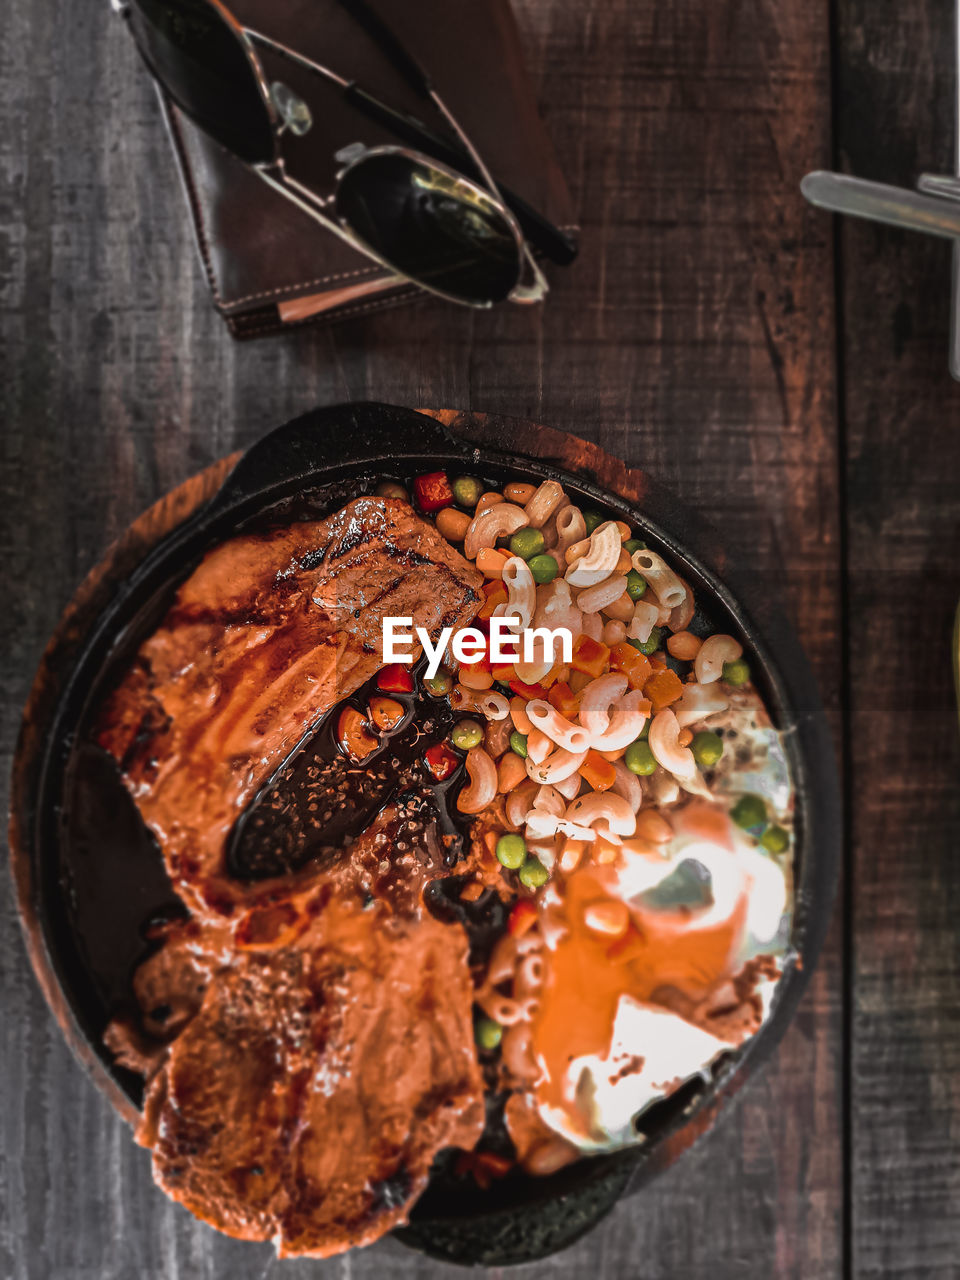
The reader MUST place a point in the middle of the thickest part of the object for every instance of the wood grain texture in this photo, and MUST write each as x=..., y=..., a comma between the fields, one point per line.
x=694, y=338
x=903, y=428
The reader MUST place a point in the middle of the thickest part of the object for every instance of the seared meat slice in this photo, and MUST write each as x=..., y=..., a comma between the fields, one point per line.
x=264, y=637
x=306, y=1100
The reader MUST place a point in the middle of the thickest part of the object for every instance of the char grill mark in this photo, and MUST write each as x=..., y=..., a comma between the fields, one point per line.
x=239, y=672
x=345, y=1062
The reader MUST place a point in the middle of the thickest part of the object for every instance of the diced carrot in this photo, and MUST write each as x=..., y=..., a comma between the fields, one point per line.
x=490, y=562
x=553, y=675
x=386, y=713
x=528, y=691
x=503, y=673
x=494, y=598
x=472, y=891
x=561, y=696
x=589, y=656
x=634, y=664
x=599, y=773
x=663, y=688
x=353, y=735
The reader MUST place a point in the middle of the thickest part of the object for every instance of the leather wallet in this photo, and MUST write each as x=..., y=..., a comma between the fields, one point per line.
x=268, y=264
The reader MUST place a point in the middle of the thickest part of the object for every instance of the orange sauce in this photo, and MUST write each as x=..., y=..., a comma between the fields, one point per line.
x=587, y=973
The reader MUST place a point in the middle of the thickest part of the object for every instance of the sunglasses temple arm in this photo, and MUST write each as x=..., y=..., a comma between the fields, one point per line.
x=389, y=44
x=551, y=242
x=548, y=238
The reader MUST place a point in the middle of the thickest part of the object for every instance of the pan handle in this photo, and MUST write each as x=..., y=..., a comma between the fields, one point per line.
x=325, y=439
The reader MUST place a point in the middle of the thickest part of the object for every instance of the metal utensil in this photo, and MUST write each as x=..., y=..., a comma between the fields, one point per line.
x=937, y=215
x=933, y=208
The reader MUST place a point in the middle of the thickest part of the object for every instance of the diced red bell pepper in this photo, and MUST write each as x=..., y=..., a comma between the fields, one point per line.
x=441, y=761
x=433, y=491
x=395, y=678
x=528, y=691
x=521, y=918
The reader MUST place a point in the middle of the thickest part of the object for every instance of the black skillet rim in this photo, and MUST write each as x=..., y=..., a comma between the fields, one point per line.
x=358, y=438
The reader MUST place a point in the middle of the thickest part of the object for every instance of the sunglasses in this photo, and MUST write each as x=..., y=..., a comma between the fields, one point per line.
x=429, y=210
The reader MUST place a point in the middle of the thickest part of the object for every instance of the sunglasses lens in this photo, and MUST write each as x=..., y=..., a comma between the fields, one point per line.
x=200, y=61
x=441, y=231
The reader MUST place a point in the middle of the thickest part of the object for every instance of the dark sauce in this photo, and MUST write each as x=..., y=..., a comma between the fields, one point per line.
x=320, y=799
x=116, y=881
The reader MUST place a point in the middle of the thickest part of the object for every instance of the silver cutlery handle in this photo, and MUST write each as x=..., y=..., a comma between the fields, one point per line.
x=895, y=206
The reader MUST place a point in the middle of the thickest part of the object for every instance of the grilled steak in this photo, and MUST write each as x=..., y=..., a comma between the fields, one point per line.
x=306, y=1098
x=265, y=636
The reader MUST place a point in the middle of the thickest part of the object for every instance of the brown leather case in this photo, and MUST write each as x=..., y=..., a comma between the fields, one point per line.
x=268, y=264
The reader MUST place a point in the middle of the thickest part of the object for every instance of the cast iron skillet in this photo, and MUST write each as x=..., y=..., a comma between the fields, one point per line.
x=83, y=901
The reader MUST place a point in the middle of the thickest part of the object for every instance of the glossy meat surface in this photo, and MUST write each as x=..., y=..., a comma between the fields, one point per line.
x=267, y=634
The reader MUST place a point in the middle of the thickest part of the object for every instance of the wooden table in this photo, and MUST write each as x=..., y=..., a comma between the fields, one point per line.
x=787, y=377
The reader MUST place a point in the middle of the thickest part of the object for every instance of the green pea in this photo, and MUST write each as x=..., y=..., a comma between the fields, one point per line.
x=439, y=684
x=544, y=568
x=533, y=873
x=707, y=748
x=511, y=851
x=391, y=489
x=518, y=743
x=526, y=543
x=750, y=812
x=651, y=644
x=466, y=734
x=645, y=731
x=736, y=673
x=636, y=585
x=592, y=519
x=466, y=491
x=487, y=1033
x=639, y=758
x=634, y=544
x=775, y=839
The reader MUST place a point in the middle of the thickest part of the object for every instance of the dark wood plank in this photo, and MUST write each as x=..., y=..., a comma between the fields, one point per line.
x=693, y=338
x=903, y=424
